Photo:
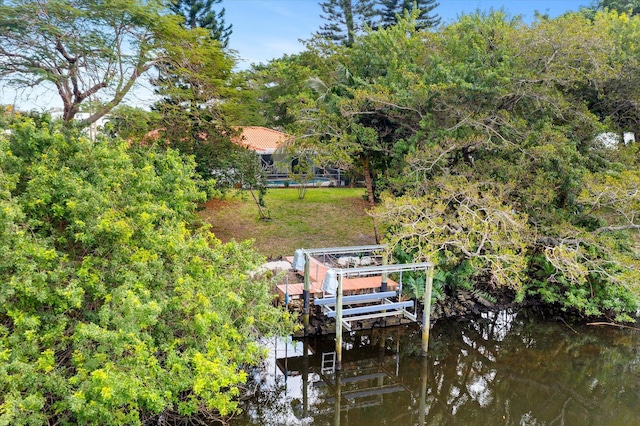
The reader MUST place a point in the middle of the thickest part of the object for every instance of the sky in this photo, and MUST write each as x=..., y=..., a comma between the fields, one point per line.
x=268, y=29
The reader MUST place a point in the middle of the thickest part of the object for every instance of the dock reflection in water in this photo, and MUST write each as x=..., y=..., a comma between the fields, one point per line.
x=505, y=368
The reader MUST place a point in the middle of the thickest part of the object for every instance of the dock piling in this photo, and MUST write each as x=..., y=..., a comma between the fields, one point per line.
x=426, y=314
x=383, y=286
x=423, y=392
x=339, y=324
x=305, y=294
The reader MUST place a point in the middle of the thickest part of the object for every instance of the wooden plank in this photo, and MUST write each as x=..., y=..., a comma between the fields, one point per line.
x=317, y=271
x=351, y=285
x=295, y=290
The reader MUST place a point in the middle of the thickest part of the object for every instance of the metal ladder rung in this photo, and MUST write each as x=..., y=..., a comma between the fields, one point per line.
x=387, y=306
x=358, y=298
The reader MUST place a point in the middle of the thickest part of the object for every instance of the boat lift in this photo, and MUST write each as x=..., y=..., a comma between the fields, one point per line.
x=381, y=309
x=302, y=261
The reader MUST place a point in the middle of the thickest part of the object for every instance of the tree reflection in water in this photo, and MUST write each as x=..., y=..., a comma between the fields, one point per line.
x=502, y=368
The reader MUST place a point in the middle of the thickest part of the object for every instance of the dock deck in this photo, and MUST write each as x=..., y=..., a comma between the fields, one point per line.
x=317, y=272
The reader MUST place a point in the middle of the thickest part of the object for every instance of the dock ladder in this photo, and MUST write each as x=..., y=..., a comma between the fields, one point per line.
x=328, y=362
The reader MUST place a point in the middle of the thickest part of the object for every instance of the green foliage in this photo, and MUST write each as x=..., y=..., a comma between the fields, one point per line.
x=414, y=282
x=345, y=18
x=130, y=123
x=280, y=87
x=465, y=228
x=484, y=143
x=89, y=51
x=302, y=174
x=481, y=141
x=357, y=118
x=630, y=7
x=114, y=307
x=391, y=9
x=194, y=84
x=200, y=14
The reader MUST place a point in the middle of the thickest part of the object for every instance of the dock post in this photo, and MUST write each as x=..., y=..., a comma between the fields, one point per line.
x=426, y=314
x=339, y=324
x=305, y=377
x=305, y=295
x=385, y=261
x=423, y=392
x=337, y=404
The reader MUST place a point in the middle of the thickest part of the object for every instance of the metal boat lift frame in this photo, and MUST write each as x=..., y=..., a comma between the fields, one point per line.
x=383, y=270
x=384, y=308
x=428, y=267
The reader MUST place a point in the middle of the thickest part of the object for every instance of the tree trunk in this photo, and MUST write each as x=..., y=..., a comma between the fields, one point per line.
x=368, y=182
x=263, y=214
x=347, y=8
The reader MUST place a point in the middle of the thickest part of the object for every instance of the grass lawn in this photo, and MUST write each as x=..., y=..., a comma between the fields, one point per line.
x=326, y=217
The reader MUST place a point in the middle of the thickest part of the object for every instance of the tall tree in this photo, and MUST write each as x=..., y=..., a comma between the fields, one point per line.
x=622, y=6
x=391, y=9
x=116, y=308
x=192, y=89
x=481, y=141
x=88, y=51
x=281, y=85
x=345, y=19
x=201, y=13
x=630, y=7
x=505, y=103
x=196, y=84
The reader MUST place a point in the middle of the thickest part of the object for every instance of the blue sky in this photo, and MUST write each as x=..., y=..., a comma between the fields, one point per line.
x=267, y=29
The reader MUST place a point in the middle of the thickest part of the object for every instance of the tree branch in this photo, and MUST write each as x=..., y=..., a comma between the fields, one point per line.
x=617, y=228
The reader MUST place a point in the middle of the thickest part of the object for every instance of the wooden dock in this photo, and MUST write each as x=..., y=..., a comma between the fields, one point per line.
x=317, y=272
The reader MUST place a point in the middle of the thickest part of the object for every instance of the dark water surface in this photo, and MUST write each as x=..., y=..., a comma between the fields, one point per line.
x=503, y=368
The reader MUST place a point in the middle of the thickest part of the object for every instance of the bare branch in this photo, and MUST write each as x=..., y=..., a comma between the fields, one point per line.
x=616, y=228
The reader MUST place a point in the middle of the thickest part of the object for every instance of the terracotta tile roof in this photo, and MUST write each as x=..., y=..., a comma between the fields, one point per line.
x=261, y=139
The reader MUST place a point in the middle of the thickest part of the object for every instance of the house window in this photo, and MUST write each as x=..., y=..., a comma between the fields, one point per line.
x=266, y=160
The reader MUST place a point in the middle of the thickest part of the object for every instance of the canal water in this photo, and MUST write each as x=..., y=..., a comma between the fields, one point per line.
x=506, y=368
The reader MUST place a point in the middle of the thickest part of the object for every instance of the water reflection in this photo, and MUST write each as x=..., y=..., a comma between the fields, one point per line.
x=504, y=368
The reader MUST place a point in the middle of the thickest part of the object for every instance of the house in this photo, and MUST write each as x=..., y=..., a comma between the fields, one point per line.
x=277, y=164
x=266, y=143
